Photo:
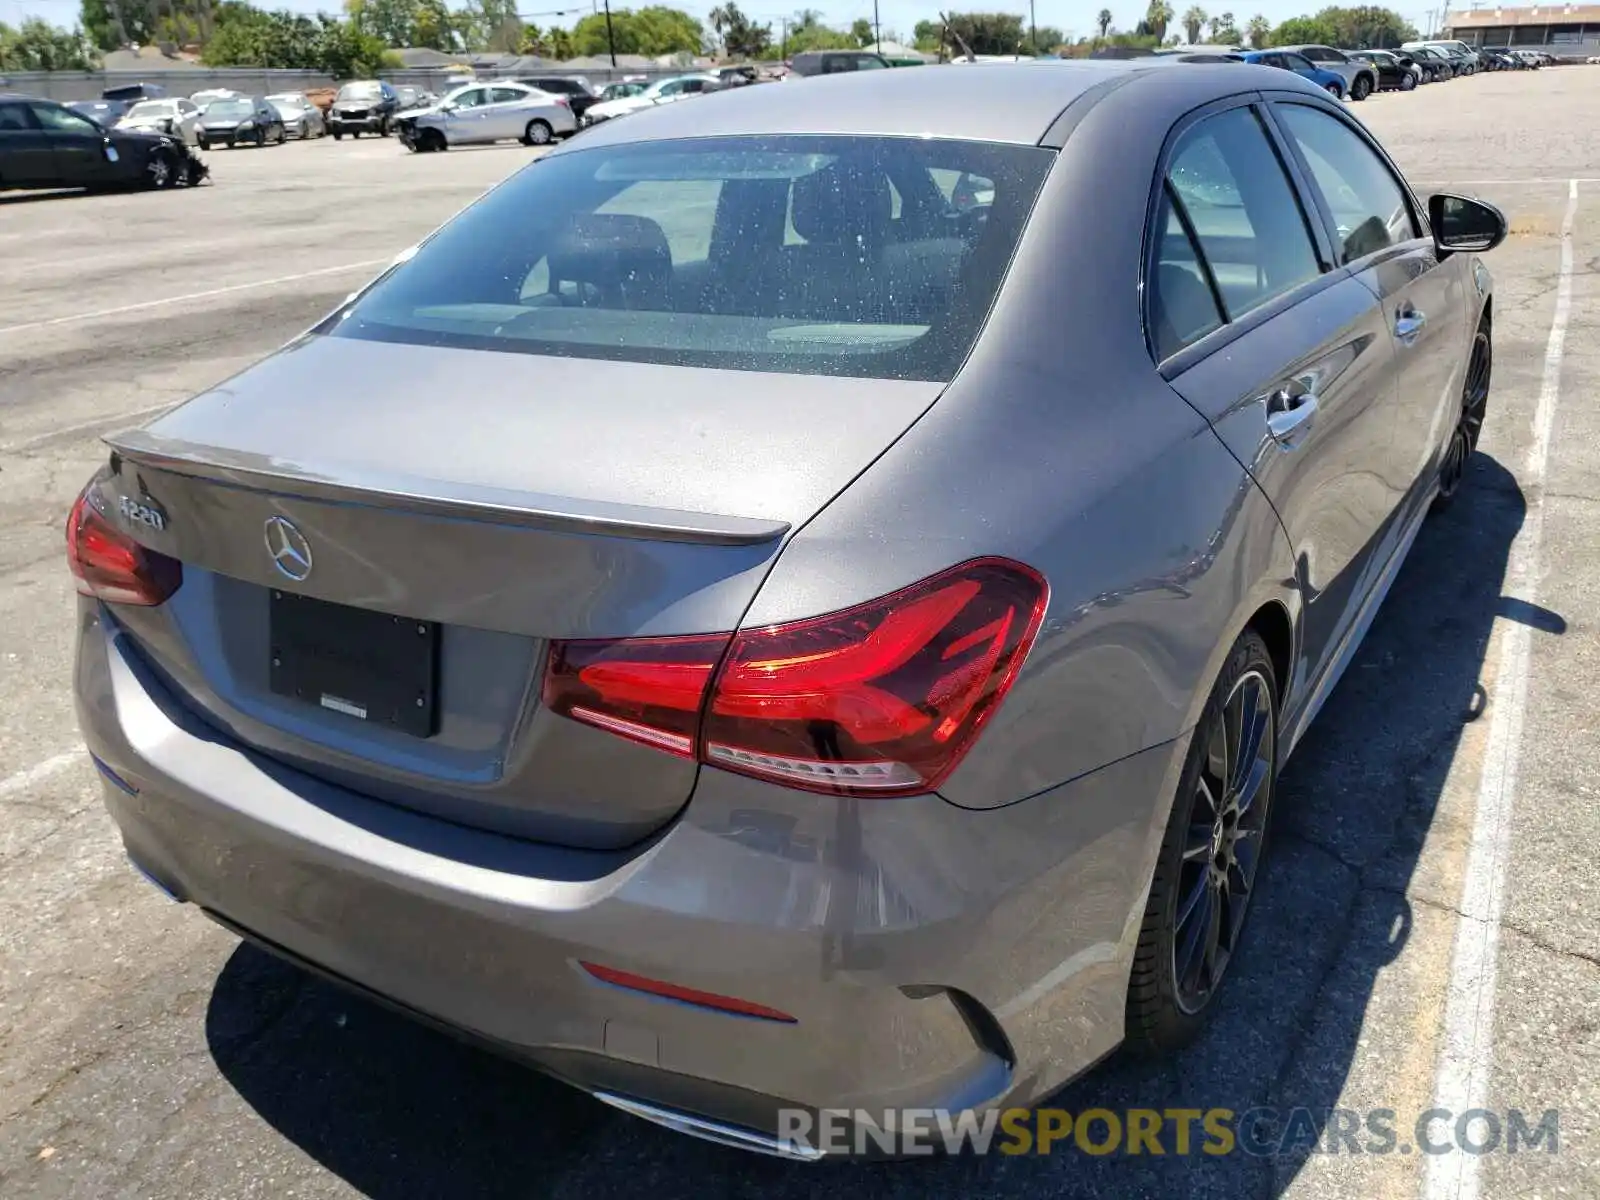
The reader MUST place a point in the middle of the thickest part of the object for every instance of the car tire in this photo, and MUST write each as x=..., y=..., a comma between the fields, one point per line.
x=202, y=144
x=1408, y=82
x=432, y=140
x=1469, y=420
x=355, y=133
x=1361, y=88
x=338, y=135
x=1192, y=922
x=538, y=133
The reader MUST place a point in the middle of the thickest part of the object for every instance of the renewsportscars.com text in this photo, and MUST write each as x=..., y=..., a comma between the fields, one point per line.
x=1260, y=1132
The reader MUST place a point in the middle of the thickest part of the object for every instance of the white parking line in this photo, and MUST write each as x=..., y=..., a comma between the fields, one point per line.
x=38, y=773
x=1467, y=1052
x=106, y=423
x=209, y=292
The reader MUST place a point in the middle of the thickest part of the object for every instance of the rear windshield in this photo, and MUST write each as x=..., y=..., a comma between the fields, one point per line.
x=230, y=108
x=874, y=257
x=360, y=91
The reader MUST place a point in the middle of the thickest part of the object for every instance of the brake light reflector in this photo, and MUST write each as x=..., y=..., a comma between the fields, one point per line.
x=673, y=991
x=881, y=699
x=109, y=565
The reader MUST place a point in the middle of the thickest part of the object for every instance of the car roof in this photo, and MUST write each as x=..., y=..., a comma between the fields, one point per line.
x=989, y=102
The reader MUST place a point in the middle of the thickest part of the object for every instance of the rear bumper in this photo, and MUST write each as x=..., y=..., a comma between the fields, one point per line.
x=932, y=956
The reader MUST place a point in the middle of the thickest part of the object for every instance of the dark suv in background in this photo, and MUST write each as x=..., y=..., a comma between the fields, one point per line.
x=363, y=106
x=574, y=87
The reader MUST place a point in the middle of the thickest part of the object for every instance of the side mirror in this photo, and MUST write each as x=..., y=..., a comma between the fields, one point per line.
x=1463, y=224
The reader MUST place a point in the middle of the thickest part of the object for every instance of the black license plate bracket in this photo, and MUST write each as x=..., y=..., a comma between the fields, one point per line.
x=372, y=666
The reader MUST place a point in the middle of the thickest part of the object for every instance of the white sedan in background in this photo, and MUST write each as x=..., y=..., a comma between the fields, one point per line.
x=662, y=91
x=301, y=118
x=487, y=112
x=180, y=118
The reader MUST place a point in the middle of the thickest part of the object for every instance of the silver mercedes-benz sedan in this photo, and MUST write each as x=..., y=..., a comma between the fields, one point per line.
x=798, y=600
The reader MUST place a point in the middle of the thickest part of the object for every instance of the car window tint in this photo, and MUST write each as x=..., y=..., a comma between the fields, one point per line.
x=681, y=252
x=62, y=120
x=1182, y=308
x=1368, y=204
x=473, y=98
x=1298, y=62
x=1243, y=210
x=14, y=117
x=507, y=95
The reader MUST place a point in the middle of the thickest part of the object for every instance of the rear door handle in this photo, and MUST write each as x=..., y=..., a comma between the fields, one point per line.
x=1408, y=323
x=1289, y=415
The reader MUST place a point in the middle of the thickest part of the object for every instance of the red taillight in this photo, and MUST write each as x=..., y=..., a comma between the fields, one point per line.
x=673, y=991
x=563, y=101
x=111, y=566
x=881, y=699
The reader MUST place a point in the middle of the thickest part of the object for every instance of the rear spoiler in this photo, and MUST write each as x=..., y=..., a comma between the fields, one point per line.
x=341, y=484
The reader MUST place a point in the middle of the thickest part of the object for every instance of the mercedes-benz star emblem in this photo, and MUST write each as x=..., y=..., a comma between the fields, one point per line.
x=290, y=551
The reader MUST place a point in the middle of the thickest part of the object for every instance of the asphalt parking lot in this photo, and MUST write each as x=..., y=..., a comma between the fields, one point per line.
x=1446, y=805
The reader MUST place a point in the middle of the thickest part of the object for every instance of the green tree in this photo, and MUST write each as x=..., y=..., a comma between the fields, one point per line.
x=1104, y=22
x=37, y=45
x=650, y=31
x=1296, y=30
x=928, y=36
x=987, y=33
x=861, y=30
x=807, y=32
x=1193, y=19
x=1158, y=16
x=1259, y=31
x=741, y=37
x=1047, y=39
x=1223, y=31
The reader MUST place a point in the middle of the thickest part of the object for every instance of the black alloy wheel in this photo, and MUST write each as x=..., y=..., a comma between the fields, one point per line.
x=1210, y=857
x=1361, y=88
x=1469, y=423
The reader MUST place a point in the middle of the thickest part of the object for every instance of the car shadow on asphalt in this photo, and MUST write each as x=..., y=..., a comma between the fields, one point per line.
x=397, y=1110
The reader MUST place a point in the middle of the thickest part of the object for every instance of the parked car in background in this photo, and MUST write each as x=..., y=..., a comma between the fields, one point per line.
x=301, y=119
x=622, y=89
x=1529, y=58
x=579, y=93
x=179, y=117
x=364, y=106
x=874, y=714
x=488, y=112
x=48, y=145
x=836, y=62
x=206, y=95
x=662, y=91
x=410, y=95
x=1435, y=64
x=1360, y=78
x=738, y=76
x=241, y=121
x=132, y=93
x=1393, y=74
x=103, y=112
x=1462, y=61
x=1329, y=81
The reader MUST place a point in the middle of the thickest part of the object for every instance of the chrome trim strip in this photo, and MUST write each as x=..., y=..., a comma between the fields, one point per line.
x=711, y=1131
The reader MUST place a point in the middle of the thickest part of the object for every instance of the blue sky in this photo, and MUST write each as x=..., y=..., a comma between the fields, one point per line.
x=1076, y=19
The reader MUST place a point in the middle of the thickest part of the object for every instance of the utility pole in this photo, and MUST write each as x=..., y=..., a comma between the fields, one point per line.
x=783, y=39
x=1033, y=29
x=877, y=30
x=611, y=37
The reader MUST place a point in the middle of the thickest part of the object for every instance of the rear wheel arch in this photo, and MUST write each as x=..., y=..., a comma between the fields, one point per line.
x=1276, y=628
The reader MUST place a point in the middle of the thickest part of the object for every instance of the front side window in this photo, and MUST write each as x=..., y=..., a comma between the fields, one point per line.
x=472, y=98
x=1369, y=205
x=1240, y=204
x=64, y=120
x=748, y=253
x=1297, y=62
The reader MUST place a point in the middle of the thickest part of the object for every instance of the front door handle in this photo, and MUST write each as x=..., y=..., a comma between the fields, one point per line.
x=1408, y=323
x=1289, y=415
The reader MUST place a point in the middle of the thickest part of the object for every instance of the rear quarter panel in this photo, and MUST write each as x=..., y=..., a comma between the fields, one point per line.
x=1059, y=445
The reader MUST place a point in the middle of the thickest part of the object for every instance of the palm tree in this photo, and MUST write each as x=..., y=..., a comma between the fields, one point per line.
x=1104, y=21
x=1260, y=32
x=1192, y=21
x=1158, y=16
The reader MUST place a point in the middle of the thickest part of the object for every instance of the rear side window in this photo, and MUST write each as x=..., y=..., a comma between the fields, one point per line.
x=1236, y=197
x=1183, y=308
x=875, y=257
x=1369, y=205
